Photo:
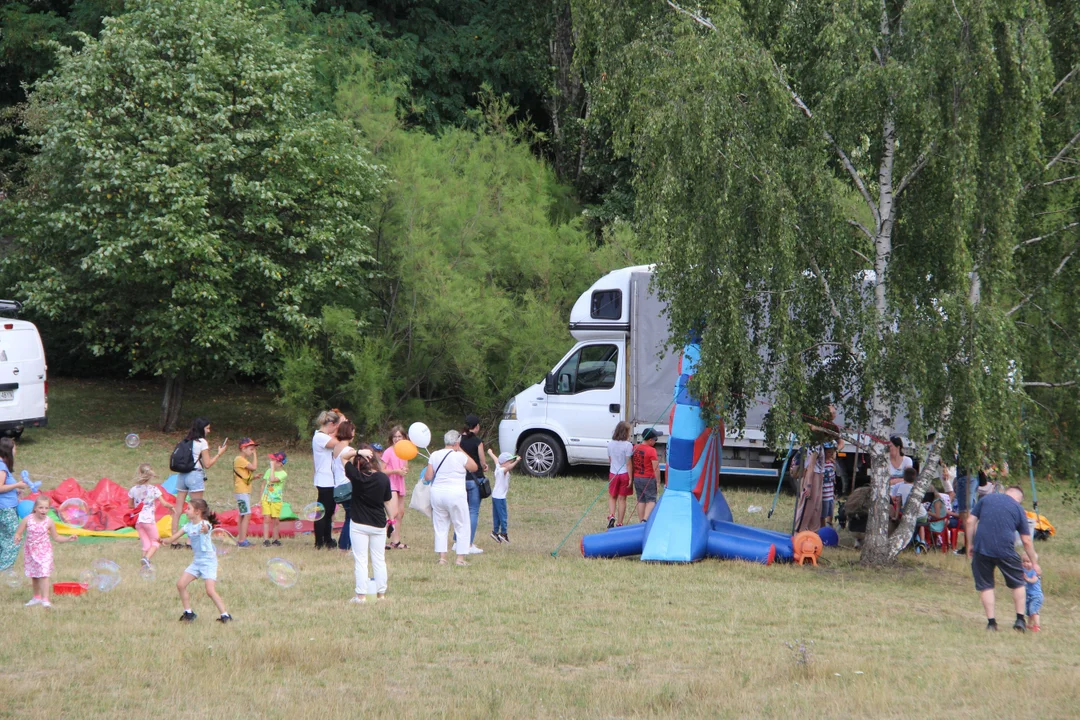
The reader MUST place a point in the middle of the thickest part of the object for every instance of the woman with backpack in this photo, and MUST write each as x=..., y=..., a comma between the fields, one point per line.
x=190, y=460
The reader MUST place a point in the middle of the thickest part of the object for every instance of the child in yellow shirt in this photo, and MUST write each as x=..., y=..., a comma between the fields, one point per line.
x=244, y=466
x=272, y=497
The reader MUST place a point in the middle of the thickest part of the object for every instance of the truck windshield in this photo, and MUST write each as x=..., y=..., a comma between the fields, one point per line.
x=593, y=367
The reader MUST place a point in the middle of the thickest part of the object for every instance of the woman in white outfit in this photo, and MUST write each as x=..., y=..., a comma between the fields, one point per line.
x=449, y=501
x=370, y=506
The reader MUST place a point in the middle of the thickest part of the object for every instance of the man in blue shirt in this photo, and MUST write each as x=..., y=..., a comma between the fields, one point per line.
x=991, y=532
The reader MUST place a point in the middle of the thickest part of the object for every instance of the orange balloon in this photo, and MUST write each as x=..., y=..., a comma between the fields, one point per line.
x=405, y=450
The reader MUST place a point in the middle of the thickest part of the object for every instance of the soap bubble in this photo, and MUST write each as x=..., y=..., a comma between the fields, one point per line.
x=313, y=512
x=223, y=541
x=132, y=440
x=754, y=509
x=106, y=575
x=146, y=572
x=12, y=579
x=299, y=524
x=282, y=572
x=74, y=512
x=86, y=577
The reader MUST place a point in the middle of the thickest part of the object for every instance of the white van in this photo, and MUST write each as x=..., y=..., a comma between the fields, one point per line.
x=619, y=370
x=24, y=387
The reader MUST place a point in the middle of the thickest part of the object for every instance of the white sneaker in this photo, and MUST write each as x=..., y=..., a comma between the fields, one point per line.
x=46, y=604
x=475, y=551
x=357, y=600
x=33, y=601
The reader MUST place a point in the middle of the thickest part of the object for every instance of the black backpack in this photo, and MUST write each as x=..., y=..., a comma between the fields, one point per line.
x=183, y=458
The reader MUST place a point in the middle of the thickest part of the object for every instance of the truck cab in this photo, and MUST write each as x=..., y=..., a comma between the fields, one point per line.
x=568, y=417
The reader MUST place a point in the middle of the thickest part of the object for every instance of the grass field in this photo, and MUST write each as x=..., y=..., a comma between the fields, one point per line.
x=519, y=633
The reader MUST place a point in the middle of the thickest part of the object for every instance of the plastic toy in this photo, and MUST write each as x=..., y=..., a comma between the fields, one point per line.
x=692, y=520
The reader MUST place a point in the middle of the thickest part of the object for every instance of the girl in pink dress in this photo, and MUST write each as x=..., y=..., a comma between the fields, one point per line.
x=38, y=556
x=396, y=469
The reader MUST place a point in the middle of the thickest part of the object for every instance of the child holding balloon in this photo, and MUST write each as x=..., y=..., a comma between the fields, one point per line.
x=38, y=557
x=396, y=468
x=204, y=564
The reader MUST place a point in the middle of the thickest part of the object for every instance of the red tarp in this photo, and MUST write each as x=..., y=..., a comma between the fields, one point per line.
x=108, y=503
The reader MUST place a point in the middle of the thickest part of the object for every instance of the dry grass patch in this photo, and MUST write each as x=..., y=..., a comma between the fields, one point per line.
x=522, y=634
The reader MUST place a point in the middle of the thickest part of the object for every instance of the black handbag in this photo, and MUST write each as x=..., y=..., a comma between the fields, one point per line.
x=483, y=486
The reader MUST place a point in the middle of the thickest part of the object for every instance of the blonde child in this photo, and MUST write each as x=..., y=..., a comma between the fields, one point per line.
x=1034, y=592
x=145, y=497
x=396, y=469
x=620, y=473
x=38, y=557
x=504, y=463
x=204, y=564
x=272, y=497
x=244, y=466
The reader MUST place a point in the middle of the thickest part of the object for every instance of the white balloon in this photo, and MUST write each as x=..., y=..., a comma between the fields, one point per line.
x=420, y=435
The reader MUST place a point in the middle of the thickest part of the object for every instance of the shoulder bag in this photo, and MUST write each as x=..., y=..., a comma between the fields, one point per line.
x=421, y=494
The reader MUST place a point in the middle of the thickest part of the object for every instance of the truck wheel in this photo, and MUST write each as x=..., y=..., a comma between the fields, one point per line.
x=543, y=455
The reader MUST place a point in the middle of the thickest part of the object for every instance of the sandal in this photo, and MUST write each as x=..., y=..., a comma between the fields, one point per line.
x=442, y=562
x=398, y=546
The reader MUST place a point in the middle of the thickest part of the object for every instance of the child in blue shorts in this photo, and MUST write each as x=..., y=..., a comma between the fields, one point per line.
x=204, y=565
x=1034, y=595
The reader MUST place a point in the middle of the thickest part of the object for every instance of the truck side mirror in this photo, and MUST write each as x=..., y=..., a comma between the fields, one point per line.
x=549, y=384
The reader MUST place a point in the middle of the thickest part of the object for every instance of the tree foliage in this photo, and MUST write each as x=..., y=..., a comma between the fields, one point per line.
x=186, y=207
x=835, y=192
x=479, y=261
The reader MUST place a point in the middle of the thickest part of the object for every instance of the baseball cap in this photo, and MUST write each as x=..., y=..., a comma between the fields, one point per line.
x=248, y=442
x=471, y=421
x=506, y=457
x=279, y=457
x=649, y=434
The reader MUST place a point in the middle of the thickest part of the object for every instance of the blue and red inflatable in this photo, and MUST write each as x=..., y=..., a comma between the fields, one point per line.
x=692, y=519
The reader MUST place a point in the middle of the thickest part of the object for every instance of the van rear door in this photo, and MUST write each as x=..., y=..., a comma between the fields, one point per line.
x=22, y=375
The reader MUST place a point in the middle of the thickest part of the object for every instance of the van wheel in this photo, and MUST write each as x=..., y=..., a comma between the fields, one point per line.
x=543, y=455
x=17, y=434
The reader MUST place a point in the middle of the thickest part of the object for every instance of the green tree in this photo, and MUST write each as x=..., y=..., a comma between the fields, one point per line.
x=834, y=189
x=186, y=207
x=1047, y=309
x=480, y=256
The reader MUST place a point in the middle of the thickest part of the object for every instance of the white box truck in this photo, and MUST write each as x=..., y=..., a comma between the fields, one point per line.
x=618, y=370
x=24, y=386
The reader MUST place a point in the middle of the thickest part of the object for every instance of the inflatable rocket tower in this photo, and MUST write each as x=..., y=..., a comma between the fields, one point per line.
x=692, y=519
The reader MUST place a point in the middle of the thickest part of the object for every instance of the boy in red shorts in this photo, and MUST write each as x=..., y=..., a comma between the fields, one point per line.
x=619, y=451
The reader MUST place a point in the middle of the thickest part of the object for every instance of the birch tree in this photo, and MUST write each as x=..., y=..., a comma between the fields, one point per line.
x=834, y=189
